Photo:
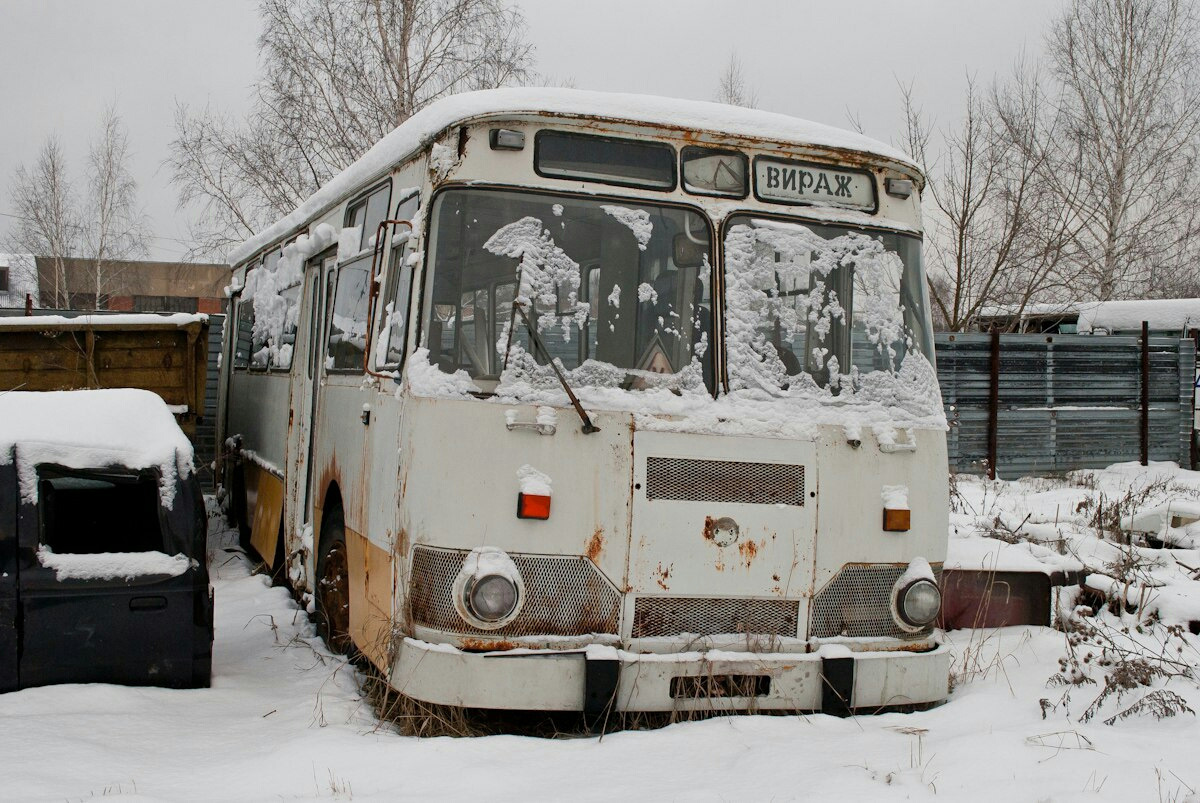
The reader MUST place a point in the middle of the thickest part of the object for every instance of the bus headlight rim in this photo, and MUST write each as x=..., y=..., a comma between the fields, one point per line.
x=489, y=591
x=491, y=597
x=911, y=598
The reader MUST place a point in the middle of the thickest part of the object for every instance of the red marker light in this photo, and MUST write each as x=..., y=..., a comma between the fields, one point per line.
x=533, y=506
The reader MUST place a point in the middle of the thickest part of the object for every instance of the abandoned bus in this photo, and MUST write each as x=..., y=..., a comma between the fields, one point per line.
x=561, y=400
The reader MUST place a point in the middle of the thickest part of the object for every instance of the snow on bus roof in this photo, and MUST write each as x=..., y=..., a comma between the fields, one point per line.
x=86, y=429
x=426, y=124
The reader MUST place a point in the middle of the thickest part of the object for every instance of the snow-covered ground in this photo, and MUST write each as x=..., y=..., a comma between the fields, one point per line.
x=284, y=720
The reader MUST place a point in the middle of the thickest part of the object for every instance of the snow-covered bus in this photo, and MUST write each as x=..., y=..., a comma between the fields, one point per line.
x=562, y=400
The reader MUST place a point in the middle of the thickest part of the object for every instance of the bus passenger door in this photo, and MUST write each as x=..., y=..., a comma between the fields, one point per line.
x=306, y=373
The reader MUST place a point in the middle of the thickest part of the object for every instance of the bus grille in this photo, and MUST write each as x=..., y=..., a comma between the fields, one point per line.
x=565, y=596
x=857, y=602
x=670, y=616
x=724, y=481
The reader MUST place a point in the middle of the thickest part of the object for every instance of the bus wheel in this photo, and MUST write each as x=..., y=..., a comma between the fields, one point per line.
x=333, y=584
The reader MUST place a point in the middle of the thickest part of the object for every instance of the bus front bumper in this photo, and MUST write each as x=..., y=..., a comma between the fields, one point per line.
x=832, y=679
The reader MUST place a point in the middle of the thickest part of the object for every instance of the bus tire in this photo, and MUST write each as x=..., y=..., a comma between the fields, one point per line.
x=333, y=584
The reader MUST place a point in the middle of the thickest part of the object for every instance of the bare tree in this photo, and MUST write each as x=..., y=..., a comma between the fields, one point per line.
x=47, y=215
x=975, y=213
x=337, y=76
x=1129, y=113
x=115, y=228
x=1034, y=193
x=733, y=87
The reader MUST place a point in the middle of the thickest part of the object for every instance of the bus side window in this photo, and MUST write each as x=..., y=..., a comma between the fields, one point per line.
x=396, y=313
x=281, y=357
x=398, y=295
x=348, y=323
x=242, y=334
x=259, y=353
x=369, y=213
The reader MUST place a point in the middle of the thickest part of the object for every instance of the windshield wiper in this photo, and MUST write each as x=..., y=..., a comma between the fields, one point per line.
x=588, y=426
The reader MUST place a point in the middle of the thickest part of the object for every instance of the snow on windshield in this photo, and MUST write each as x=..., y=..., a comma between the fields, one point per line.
x=819, y=306
x=569, y=262
x=545, y=271
x=824, y=324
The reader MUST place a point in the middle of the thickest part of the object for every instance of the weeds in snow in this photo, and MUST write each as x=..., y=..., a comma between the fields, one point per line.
x=1129, y=660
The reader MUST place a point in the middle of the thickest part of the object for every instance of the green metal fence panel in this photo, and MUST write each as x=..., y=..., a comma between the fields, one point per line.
x=1065, y=401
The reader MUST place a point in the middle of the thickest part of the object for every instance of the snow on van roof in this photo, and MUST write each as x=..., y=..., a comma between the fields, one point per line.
x=1162, y=314
x=102, y=321
x=426, y=124
x=92, y=429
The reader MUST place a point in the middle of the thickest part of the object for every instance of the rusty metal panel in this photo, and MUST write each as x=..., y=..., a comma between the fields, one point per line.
x=565, y=595
x=371, y=594
x=266, y=491
x=994, y=599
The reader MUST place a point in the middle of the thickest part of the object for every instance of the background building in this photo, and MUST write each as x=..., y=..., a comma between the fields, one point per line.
x=127, y=285
x=18, y=276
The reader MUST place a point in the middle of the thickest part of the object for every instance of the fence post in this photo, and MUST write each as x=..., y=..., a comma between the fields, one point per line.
x=993, y=428
x=1145, y=419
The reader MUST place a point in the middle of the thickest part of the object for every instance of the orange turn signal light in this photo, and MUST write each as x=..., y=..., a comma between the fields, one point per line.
x=896, y=520
x=533, y=506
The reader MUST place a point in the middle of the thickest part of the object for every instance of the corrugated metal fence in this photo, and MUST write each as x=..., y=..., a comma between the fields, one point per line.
x=206, y=429
x=1064, y=402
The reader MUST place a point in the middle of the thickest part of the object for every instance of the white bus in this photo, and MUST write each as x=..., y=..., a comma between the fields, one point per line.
x=562, y=400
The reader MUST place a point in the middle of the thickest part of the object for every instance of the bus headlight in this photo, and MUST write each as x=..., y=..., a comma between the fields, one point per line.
x=918, y=604
x=492, y=598
x=488, y=591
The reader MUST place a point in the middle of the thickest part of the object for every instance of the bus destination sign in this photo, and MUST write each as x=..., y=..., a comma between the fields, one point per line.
x=804, y=183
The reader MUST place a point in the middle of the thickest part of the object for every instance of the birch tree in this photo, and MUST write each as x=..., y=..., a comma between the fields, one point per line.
x=1128, y=113
x=733, y=87
x=115, y=228
x=992, y=233
x=43, y=201
x=337, y=76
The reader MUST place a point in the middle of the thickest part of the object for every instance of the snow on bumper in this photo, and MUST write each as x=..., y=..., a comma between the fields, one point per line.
x=571, y=680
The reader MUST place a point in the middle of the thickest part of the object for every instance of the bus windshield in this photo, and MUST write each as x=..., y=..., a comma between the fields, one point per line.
x=816, y=305
x=619, y=292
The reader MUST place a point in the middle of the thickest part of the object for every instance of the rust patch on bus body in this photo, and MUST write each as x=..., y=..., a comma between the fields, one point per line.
x=661, y=576
x=472, y=644
x=836, y=156
x=710, y=529
x=595, y=545
x=749, y=551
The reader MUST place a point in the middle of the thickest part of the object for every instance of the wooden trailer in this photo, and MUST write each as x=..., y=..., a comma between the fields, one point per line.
x=165, y=354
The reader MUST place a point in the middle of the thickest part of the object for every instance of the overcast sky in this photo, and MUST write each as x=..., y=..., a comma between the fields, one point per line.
x=63, y=61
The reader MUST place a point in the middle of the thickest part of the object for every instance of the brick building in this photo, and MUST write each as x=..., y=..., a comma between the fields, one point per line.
x=132, y=285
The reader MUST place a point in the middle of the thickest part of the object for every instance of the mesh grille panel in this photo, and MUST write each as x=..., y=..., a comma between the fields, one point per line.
x=858, y=602
x=670, y=616
x=564, y=596
x=724, y=481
